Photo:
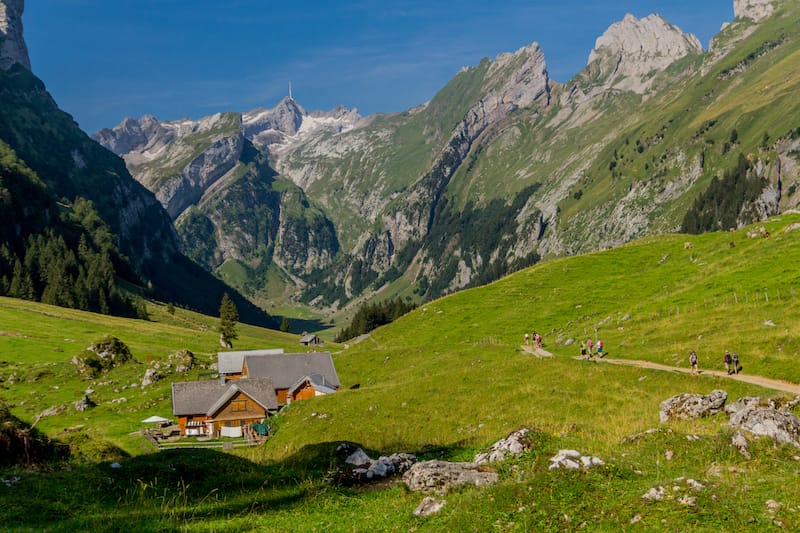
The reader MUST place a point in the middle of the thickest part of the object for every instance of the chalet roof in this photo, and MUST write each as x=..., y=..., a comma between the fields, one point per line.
x=231, y=362
x=199, y=397
x=286, y=369
x=318, y=381
x=261, y=391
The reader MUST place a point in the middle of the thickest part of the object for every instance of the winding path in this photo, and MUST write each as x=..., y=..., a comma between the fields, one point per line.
x=761, y=381
x=769, y=383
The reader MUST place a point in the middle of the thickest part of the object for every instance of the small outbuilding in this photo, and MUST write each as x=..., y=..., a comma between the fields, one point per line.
x=311, y=340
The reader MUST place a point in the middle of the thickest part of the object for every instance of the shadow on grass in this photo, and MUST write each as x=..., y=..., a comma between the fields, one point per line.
x=172, y=488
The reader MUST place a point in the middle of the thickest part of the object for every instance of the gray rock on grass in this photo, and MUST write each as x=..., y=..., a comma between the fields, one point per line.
x=690, y=406
x=441, y=476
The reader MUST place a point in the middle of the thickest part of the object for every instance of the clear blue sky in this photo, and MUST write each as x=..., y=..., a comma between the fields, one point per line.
x=104, y=60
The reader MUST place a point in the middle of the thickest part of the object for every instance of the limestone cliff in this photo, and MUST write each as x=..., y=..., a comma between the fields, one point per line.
x=753, y=9
x=627, y=55
x=12, y=45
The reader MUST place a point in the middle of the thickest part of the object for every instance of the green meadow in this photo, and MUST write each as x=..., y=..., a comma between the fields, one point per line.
x=445, y=381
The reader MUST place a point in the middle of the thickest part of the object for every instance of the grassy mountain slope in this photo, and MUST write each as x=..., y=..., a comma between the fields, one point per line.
x=448, y=379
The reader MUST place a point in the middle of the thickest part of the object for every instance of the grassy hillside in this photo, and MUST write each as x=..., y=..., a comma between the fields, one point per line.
x=445, y=381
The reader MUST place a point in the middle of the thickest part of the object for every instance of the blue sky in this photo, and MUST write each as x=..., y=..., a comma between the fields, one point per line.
x=104, y=60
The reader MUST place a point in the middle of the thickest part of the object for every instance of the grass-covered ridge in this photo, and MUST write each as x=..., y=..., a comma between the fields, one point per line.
x=447, y=380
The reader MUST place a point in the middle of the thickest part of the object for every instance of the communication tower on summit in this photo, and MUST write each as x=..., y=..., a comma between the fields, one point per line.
x=290, y=90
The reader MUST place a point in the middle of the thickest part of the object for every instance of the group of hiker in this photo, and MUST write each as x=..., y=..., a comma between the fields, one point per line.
x=533, y=338
x=731, y=361
x=590, y=348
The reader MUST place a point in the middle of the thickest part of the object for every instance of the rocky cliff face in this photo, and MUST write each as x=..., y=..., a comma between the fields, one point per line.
x=500, y=167
x=12, y=45
x=753, y=9
x=630, y=51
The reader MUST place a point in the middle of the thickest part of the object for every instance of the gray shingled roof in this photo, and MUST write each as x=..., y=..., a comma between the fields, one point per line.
x=319, y=382
x=231, y=362
x=199, y=397
x=286, y=369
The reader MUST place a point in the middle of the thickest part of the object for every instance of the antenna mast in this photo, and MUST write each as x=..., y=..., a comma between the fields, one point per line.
x=290, y=90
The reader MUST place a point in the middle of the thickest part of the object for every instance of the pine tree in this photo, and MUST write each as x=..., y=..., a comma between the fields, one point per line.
x=228, y=317
x=285, y=325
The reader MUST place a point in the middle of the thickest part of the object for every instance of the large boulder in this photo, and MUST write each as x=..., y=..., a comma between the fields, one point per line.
x=515, y=444
x=105, y=354
x=689, y=406
x=777, y=424
x=442, y=476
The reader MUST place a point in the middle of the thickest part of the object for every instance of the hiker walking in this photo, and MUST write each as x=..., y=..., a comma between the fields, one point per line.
x=527, y=339
x=590, y=348
x=583, y=349
x=599, y=346
x=693, y=361
x=728, y=361
x=735, y=361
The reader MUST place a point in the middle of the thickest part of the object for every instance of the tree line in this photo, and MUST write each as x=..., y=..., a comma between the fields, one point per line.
x=60, y=253
x=372, y=315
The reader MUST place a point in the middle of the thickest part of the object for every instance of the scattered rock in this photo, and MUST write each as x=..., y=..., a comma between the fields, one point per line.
x=655, y=494
x=10, y=482
x=636, y=519
x=669, y=454
x=690, y=406
x=742, y=403
x=429, y=506
x=358, y=458
x=573, y=460
x=739, y=441
x=688, y=500
x=773, y=506
x=83, y=404
x=152, y=375
x=515, y=444
x=183, y=360
x=442, y=476
x=53, y=411
x=362, y=469
x=779, y=425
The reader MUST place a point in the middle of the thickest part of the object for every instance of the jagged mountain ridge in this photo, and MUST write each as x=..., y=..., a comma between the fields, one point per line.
x=502, y=141
x=74, y=168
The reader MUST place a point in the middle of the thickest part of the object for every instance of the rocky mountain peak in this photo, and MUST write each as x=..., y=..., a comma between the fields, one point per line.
x=12, y=45
x=753, y=9
x=626, y=54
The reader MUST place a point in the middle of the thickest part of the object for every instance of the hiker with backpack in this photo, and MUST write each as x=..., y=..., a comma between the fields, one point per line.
x=728, y=362
x=599, y=347
x=583, y=349
x=735, y=361
x=693, y=361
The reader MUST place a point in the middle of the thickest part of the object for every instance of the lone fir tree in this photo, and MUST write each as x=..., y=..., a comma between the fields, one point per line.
x=228, y=317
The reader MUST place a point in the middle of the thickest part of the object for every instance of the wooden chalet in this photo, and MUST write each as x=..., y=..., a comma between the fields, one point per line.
x=311, y=340
x=309, y=387
x=307, y=374
x=229, y=364
x=216, y=408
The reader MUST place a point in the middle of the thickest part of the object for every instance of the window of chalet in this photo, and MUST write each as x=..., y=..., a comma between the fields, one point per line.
x=239, y=405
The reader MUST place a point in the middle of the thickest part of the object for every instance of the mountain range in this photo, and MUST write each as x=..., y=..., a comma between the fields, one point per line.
x=501, y=168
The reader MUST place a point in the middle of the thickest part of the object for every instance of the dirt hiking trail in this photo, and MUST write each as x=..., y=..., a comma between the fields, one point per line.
x=775, y=384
